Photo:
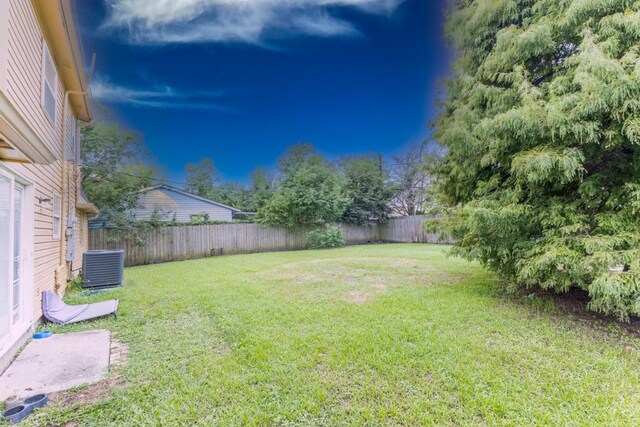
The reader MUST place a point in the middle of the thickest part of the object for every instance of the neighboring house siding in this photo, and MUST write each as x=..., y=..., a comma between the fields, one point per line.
x=22, y=87
x=173, y=204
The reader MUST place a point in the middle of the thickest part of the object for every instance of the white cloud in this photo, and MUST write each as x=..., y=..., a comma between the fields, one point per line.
x=248, y=21
x=156, y=97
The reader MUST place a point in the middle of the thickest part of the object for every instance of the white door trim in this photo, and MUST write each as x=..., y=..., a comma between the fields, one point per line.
x=17, y=330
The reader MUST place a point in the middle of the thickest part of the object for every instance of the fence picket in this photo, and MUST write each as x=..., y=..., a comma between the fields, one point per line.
x=190, y=242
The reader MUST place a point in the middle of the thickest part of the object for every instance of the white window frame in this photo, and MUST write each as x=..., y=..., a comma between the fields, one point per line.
x=46, y=56
x=56, y=215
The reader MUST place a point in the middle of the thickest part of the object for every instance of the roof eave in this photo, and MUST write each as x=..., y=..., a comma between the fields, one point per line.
x=87, y=207
x=59, y=28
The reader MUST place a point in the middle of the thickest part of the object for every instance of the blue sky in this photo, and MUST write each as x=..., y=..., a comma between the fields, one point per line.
x=241, y=80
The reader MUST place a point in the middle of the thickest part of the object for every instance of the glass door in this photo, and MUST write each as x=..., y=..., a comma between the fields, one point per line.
x=12, y=258
x=16, y=289
x=5, y=257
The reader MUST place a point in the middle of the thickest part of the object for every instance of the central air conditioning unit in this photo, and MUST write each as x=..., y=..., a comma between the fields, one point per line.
x=102, y=269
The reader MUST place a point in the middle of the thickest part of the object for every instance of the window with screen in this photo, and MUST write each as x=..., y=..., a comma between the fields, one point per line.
x=57, y=216
x=49, y=82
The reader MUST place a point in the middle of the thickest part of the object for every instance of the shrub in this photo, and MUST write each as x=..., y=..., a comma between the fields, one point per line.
x=540, y=134
x=75, y=283
x=328, y=237
x=311, y=193
x=199, y=218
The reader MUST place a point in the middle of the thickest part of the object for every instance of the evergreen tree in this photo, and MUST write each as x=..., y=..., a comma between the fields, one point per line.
x=541, y=128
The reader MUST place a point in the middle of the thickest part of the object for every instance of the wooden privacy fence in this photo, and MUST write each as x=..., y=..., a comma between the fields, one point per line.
x=407, y=229
x=200, y=241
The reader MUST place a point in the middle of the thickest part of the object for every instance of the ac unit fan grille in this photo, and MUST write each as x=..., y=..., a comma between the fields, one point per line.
x=103, y=269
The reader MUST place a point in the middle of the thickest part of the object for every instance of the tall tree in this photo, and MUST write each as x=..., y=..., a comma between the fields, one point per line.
x=261, y=189
x=295, y=156
x=541, y=128
x=311, y=193
x=367, y=186
x=411, y=180
x=231, y=194
x=113, y=167
x=201, y=177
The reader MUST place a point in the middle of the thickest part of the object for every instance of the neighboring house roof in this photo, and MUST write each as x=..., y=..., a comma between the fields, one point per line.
x=185, y=193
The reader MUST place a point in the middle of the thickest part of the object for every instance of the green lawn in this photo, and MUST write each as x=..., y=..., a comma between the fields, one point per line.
x=367, y=335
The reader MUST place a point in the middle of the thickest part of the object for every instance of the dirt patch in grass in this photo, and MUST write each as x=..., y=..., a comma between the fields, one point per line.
x=362, y=296
x=358, y=297
x=352, y=279
x=337, y=272
x=222, y=349
x=352, y=271
x=345, y=402
x=87, y=395
x=388, y=262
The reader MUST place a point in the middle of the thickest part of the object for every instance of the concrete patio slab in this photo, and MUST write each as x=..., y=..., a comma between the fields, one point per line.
x=58, y=363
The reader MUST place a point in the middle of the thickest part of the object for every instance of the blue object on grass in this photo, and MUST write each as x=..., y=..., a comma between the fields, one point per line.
x=42, y=334
x=36, y=401
x=20, y=412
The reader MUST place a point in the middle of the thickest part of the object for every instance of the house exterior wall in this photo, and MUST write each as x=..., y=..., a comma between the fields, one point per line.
x=21, y=54
x=23, y=85
x=173, y=204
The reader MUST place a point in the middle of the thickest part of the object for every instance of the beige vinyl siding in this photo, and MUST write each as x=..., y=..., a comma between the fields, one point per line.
x=24, y=74
x=21, y=60
x=4, y=42
x=176, y=205
x=47, y=249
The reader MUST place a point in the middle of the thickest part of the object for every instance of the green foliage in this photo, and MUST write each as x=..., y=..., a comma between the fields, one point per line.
x=200, y=218
x=231, y=194
x=261, y=189
x=75, y=284
x=296, y=155
x=366, y=184
x=201, y=177
x=158, y=218
x=541, y=131
x=324, y=238
x=311, y=193
x=113, y=168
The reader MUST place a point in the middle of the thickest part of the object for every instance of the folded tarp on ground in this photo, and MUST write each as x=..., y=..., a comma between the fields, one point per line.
x=56, y=311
